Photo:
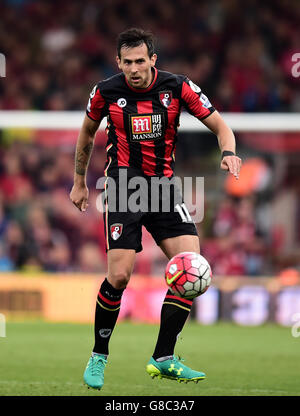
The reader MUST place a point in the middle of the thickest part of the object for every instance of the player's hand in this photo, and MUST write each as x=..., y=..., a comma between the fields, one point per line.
x=79, y=196
x=233, y=164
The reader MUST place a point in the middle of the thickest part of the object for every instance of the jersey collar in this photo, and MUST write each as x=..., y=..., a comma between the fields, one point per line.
x=143, y=89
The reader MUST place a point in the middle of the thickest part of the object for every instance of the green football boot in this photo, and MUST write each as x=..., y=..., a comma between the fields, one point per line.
x=94, y=372
x=174, y=370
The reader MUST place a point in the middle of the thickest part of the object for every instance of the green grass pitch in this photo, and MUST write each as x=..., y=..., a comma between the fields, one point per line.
x=48, y=359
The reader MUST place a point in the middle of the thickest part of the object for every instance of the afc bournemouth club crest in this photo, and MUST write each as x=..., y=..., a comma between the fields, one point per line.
x=165, y=97
x=116, y=231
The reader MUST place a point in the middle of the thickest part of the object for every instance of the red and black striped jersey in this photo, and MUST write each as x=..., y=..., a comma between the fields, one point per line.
x=142, y=124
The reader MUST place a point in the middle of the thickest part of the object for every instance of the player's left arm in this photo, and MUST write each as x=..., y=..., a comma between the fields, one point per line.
x=226, y=141
x=198, y=104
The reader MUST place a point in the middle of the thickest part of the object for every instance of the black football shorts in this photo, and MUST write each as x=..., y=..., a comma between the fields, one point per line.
x=163, y=213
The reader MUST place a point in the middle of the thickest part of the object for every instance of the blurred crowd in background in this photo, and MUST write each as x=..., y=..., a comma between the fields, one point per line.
x=41, y=230
x=238, y=52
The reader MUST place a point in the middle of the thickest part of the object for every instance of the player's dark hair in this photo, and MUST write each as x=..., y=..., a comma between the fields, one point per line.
x=135, y=37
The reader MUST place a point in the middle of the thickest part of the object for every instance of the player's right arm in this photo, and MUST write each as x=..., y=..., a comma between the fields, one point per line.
x=84, y=147
x=96, y=110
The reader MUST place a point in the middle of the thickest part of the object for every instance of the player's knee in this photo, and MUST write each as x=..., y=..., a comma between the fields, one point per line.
x=119, y=280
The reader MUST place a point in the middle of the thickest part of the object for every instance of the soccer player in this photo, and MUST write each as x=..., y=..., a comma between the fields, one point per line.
x=142, y=105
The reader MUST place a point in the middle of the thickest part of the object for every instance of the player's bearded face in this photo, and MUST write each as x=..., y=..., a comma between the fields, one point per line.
x=136, y=65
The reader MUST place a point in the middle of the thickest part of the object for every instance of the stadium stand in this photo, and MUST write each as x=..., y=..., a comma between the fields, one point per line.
x=241, y=58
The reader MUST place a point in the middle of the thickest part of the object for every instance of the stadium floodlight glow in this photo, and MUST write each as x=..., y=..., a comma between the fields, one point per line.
x=68, y=120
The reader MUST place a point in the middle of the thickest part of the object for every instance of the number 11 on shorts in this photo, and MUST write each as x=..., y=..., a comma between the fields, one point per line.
x=183, y=212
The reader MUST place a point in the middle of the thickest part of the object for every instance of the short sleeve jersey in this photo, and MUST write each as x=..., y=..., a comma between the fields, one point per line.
x=142, y=124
